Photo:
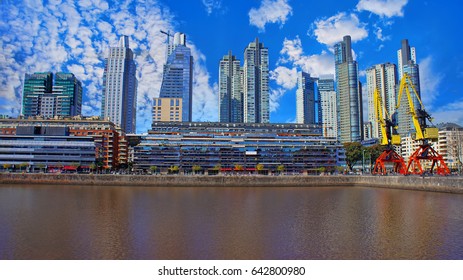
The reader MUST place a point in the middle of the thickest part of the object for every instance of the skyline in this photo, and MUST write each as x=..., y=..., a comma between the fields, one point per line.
x=76, y=38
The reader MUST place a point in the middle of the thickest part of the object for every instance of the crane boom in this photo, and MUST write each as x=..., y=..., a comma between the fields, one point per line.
x=425, y=152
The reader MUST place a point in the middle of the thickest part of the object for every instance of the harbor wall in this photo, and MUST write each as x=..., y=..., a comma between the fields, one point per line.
x=451, y=184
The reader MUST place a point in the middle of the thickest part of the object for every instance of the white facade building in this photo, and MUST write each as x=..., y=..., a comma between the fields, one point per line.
x=120, y=87
x=327, y=95
x=305, y=98
x=382, y=77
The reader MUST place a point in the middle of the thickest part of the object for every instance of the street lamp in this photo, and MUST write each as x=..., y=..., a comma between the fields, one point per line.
x=363, y=161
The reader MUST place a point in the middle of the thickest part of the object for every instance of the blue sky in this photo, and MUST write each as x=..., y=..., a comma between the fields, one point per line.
x=74, y=36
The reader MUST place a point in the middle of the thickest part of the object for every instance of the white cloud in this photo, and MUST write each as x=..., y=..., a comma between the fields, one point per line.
x=285, y=77
x=383, y=8
x=449, y=113
x=316, y=65
x=429, y=82
x=332, y=30
x=275, y=96
x=64, y=36
x=212, y=5
x=270, y=11
x=379, y=34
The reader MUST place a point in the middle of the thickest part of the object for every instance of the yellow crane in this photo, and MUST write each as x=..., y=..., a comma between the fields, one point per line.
x=424, y=134
x=389, y=138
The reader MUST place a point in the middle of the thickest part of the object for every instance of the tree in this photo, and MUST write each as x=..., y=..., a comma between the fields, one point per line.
x=217, y=167
x=174, y=169
x=259, y=167
x=353, y=153
x=196, y=168
x=92, y=166
x=6, y=166
x=374, y=151
x=280, y=168
x=239, y=167
x=23, y=165
x=321, y=169
x=153, y=168
x=40, y=166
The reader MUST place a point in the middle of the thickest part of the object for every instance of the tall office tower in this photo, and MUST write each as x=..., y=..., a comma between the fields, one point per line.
x=255, y=84
x=119, y=102
x=328, y=106
x=43, y=98
x=404, y=56
x=349, y=93
x=407, y=64
x=69, y=94
x=382, y=77
x=305, y=98
x=230, y=90
x=175, y=102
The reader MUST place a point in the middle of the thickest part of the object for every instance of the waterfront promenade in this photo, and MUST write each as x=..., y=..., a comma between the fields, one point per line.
x=427, y=183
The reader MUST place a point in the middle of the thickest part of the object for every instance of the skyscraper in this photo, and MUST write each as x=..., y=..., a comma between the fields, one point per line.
x=255, y=84
x=119, y=102
x=305, y=98
x=328, y=106
x=47, y=98
x=349, y=93
x=383, y=77
x=230, y=90
x=175, y=102
x=406, y=57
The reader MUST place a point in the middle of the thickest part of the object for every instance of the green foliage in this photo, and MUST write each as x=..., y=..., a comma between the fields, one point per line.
x=196, y=168
x=259, y=167
x=92, y=166
x=6, y=166
x=217, y=167
x=353, y=153
x=374, y=152
x=153, y=168
x=75, y=164
x=280, y=168
x=174, y=169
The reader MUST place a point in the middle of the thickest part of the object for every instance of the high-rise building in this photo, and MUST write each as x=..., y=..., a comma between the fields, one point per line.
x=383, y=78
x=119, y=100
x=407, y=64
x=230, y=90
x=43, y=96
x=175, y=102
x=255, y=84
x=328, y=106
x=305, y=98
x=349, y=93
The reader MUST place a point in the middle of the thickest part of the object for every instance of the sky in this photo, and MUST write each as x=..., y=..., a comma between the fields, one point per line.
x=75, y=36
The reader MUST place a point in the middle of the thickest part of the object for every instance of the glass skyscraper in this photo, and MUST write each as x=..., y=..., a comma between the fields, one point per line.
x=177, y=83
x=328, y=106
x=255, y=84
x=230, y=90
x=349, y=94
x=43, y=96
x=119, y=102
x=384, y=78
x=305, y=98
x=407, y=64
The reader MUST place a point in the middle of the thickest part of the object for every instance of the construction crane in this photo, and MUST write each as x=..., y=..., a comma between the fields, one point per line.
x=389, y=138
x=167, y=34
x=424, y=134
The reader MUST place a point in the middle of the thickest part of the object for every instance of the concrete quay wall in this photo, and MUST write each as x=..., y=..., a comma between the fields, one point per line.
x=434, y=183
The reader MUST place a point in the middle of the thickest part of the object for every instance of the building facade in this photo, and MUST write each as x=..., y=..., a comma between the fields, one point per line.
x=177, y=84
x=328, y=106
x=119, y=102
x=349, y=94
x=48, y=95
x=295, y=147
x=407, y=64
x=109, y=139
x=382, y=77
x=305, y=98
x=256, y=106
x=450, y=146
x=230, y=90
x=44, y=148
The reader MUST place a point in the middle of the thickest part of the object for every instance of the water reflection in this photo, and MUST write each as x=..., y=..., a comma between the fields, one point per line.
x=49, y=222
